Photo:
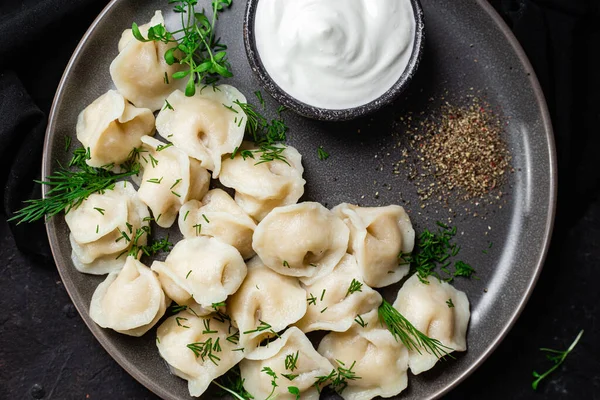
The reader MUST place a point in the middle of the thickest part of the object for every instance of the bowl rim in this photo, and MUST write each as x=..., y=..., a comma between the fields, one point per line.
x=325, y=114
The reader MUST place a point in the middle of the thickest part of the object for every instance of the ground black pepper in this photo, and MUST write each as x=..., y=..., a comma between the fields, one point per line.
x=459, y=152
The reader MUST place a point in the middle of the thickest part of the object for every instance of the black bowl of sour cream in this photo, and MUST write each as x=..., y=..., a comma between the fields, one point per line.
x=334, y=60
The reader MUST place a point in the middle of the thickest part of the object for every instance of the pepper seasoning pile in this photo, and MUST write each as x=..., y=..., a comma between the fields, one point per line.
x=460, y=153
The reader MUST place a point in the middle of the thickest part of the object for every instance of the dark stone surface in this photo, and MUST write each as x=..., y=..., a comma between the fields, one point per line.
x=47, y=352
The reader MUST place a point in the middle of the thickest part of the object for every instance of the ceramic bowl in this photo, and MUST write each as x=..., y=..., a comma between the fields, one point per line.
x=324, y=114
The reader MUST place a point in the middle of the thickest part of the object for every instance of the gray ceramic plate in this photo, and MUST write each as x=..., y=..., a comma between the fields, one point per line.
x=468, y=49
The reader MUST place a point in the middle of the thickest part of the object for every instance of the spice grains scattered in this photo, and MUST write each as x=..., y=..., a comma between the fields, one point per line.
x=462, y=150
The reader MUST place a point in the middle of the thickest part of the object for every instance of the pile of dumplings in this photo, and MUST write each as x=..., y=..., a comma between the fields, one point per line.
x=256, y=268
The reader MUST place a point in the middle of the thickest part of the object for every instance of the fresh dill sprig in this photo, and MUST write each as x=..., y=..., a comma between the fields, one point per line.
x=323, y=155
x=262, y=327
x=359, y=320
x=194, y=46
x=338, y=377
x=557, y=357
x=233, y=383
x=291, y=360
x=411, y=337
x=433, y=250
x=71, y=187
x=355, y=286
x=267, y=136
x=205, y=350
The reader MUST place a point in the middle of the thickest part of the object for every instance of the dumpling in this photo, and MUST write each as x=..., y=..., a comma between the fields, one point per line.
x=335, y=301
x=378, y=362
x=169, y=180
x=259, y=188
x=199, y=349
x=103, y=226
x=202, y=268
x=378, y=235
x=266, y=302
x=305, y=240
x=219, y=216
x=206, y=126
x=294, y=362
x=140, y=71
x=438, y=310
x=130, y=301
x=111, y=128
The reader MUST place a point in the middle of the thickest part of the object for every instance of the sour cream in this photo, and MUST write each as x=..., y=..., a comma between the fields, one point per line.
x=335, y=54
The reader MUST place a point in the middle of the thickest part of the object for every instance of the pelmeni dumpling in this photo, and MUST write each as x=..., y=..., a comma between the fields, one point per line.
x=103, y=226
x=202, y=268
x=290, y=355
x=378, y=235
x=372, y=353
x=305, y=240
x=140, y=71
x=170, y=179
x=219, y=216
x=429, y=309
x=335, y=300
x=130, y=301
x=259, y=188
x=189, y=345
x=111, y=128
x=266, y=298
x=206, y=126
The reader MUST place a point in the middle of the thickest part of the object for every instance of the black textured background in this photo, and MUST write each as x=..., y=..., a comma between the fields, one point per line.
x=47, y=352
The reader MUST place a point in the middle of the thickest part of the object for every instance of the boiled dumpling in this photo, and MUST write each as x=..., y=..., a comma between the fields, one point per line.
x=376, y=359
x=266, y=302
x=305, y=240
x=130, y=301
x=140, y=71
x=219, y=216
x=199, y=349
x=295, y=363
x=111, y=128
x=103, y=226
x=259, y=188
x=335, y=301
x=169, y=180
x=203, y=269
x=378, y=235
x=206, y=126
x=439, y=311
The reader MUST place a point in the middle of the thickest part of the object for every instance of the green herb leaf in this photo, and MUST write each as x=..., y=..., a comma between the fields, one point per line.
x=557, y=357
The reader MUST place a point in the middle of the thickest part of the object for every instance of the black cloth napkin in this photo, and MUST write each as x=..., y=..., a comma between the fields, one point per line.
x=562, y=40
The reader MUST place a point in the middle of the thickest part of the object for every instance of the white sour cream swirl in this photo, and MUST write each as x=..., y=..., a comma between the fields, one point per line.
x=335, y=54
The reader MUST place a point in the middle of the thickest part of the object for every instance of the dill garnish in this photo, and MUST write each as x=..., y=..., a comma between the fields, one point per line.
x=71, y=187
x=233, y=384
x=291, y=360
x=267, y=136
x=411, y=337
x=338, y=377
x=323, y=155
x=557, y=357
x=262, y=327
x=355, y=286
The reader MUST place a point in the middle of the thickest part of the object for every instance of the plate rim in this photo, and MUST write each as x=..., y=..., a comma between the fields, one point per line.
x=549, y=226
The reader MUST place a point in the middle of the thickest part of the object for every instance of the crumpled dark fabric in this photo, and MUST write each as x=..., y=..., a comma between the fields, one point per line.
x=37, y=39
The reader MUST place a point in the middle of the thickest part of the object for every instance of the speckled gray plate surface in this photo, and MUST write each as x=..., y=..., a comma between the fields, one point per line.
x=468, y=50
